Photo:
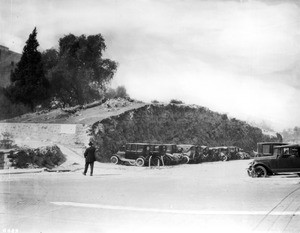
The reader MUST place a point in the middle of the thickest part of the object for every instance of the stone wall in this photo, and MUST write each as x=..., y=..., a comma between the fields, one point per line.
x=69, y=134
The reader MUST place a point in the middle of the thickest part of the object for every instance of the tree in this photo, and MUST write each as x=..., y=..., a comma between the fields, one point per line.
x=121, y=92
x=77, y=72
x=28, y=83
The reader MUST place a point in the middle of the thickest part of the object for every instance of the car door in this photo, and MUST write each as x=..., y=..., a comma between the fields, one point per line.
x=131, y=151
x=295, y=159
x=289, y=160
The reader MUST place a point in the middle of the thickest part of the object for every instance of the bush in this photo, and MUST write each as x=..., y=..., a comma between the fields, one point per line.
x=10, y=110
x=49, y=157
x=119, y=92
x=154, y=102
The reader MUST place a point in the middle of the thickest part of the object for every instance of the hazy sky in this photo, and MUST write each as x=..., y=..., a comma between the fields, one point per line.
x=235, y=57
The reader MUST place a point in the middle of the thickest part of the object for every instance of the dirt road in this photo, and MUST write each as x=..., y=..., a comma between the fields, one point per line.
x=209, y=197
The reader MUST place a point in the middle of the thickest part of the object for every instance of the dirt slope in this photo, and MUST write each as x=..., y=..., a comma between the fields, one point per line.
x=85, y=115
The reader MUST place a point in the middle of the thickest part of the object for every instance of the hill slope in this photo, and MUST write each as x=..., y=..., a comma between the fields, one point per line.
x=8, y=61
x=180, y=124
x=117, y=122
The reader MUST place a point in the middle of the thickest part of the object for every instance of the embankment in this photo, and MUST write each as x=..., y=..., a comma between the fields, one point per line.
x=180, y=124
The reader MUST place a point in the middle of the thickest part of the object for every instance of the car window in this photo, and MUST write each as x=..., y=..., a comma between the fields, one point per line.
x=266, y=149
x=128, y=147
x=295, y=152
x=140, y=148
x=133, y=147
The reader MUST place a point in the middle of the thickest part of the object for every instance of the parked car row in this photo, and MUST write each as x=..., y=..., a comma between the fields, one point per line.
x=272, y=158
x=144, y=154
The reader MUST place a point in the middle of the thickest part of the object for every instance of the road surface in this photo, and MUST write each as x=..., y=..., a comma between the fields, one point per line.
x=208, y=197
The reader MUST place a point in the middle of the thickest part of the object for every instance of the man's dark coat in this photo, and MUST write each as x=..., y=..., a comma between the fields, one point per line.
x=89, y=154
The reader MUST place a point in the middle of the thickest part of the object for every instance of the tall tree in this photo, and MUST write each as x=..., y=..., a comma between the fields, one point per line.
x=77, y=72
x=28, y=83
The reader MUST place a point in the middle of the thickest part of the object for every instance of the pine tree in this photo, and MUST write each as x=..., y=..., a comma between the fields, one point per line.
x=28, y=83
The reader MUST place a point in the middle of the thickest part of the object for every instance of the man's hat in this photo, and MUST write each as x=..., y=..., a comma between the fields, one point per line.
x=90, y=143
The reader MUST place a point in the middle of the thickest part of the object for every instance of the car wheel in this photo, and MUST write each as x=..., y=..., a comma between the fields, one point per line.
x=224, y=158
x=185, y=159
x=260, y=171
x=114, y=159
x=132, y=163
x=140, y=162
x=155, y=161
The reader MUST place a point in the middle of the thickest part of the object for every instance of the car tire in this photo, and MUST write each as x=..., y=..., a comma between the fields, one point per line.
x=224, y=158
x=260, y=171
x=185, y=159
x=140, y=162
x=114, y=159
x=132, y=163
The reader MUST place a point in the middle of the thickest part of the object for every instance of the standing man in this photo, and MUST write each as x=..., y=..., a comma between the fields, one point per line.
x=90, y=158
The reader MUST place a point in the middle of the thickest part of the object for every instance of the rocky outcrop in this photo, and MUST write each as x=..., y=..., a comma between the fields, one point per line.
x=173, y=123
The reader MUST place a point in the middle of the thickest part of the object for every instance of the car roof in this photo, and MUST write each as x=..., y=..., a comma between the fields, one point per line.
x=185, y=145
x=272, y=143
x=138, y=143
x=288, y=146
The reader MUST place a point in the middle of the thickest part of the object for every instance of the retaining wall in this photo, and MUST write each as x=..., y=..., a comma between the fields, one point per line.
x=70, y=134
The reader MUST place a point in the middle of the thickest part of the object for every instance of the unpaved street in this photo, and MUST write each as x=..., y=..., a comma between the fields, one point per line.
x=208, y=197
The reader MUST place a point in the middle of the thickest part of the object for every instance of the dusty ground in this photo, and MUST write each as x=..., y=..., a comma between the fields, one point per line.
x=209, y=197
x=86, y=116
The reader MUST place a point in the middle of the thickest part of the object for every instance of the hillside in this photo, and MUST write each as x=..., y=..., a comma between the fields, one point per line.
x=8, y=61
x=87, y=115
x=118, y=121
x=171, y=123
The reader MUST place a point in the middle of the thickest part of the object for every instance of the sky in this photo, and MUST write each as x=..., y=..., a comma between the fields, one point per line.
x=235, y=57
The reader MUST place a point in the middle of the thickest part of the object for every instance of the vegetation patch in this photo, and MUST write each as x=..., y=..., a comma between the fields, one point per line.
x=48, y=156
x=176, y=124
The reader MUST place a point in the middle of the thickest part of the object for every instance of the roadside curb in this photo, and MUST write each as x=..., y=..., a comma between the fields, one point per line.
x=20, y=171
x=29, y=171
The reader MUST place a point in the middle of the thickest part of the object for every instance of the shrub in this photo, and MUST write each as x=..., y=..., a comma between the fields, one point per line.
x=174, y=101
x=119, y=92
x=49, y=156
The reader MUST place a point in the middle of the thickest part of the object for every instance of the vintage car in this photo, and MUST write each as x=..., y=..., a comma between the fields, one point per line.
x=267, y=148
x=192, y=151
x=285, y=158
x=174, y=155
x=204, y=154
x=235, y=152
x=218, y=153
x=139, y=154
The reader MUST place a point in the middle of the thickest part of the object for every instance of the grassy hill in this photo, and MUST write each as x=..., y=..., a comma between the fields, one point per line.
x=8, y=61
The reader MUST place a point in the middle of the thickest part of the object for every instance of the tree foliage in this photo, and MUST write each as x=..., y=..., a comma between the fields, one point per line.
x=119, y=92
x=28, y=83
x=9, y=109
x=77, y=72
